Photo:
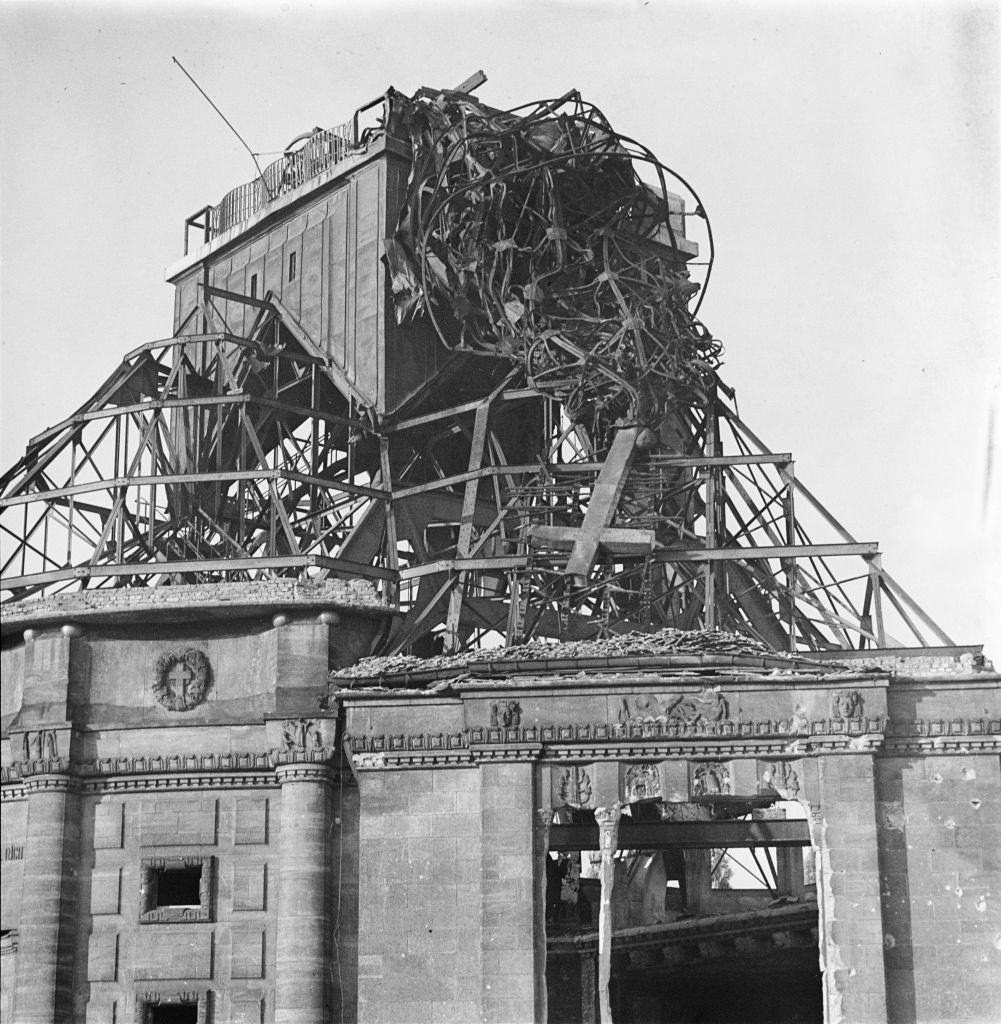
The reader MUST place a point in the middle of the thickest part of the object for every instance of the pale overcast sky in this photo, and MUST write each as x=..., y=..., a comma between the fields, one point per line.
x=847, y=154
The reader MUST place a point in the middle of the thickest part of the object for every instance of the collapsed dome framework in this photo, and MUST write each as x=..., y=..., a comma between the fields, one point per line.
x=530, y=234
x=557, y=456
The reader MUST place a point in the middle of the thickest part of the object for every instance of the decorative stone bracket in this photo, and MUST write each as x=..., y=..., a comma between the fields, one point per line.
x=41, y=751
x=301, y=740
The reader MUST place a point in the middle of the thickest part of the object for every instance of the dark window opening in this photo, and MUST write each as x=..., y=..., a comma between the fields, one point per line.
x=172, y=1013
x=291, y=266
x=253, y=286
x=710, y=923
x=179, y=887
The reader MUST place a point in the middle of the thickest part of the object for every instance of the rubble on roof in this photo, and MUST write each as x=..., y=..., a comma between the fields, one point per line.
x=663, y=642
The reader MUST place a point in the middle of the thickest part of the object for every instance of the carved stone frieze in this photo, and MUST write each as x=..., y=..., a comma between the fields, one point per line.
x=302, y=740
x=40, y=745
x=710, y=778
x=181, y=679
x=642, y=782
x=707, y=707
x=300, y=734
x=573, y=788
x=684, y=812
x=39, y=752
x=779, y=777
x=720, y=741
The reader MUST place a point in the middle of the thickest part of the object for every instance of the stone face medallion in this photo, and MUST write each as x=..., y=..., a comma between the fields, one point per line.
x=181, y=679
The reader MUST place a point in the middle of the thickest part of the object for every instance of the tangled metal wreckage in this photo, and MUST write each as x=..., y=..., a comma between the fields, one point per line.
x=474, y=378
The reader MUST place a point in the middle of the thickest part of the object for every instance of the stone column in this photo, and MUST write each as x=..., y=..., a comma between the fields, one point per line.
x=301, y=991
x=608, y=840
x=44, y=988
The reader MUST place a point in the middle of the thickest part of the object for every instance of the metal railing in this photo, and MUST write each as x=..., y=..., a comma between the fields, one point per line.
x=321, y=151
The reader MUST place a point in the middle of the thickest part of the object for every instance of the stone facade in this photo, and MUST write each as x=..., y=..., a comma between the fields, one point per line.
x=379, y=854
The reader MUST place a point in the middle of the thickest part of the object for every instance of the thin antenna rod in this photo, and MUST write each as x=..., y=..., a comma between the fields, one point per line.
x=226, y=119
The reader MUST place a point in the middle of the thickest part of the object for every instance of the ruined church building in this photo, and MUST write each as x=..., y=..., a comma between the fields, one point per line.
x=419, y=635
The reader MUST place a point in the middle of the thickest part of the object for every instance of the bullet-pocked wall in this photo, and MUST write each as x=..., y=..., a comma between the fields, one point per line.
x=896, y=828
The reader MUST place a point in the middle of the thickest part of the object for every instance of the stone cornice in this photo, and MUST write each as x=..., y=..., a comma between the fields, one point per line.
x=195, y=603
x=51, y=783
x=660, y=740
x=301, y=772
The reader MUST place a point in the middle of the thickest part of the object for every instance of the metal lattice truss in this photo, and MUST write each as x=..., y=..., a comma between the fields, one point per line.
x=203, y=457
x=210, y=457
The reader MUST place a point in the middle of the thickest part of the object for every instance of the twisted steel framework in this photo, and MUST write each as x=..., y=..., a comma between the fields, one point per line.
x=530, y=234
x=600, y=480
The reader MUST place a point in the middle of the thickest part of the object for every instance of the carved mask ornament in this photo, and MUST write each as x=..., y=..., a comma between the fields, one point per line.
x=505, y=714
x=846, y=704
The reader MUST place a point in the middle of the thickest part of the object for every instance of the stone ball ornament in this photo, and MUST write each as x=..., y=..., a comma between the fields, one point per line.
x=181, y=679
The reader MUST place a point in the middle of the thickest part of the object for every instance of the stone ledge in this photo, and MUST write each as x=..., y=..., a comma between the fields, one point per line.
x=214, y=600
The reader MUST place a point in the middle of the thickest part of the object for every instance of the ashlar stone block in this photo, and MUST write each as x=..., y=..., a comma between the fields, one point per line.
x=170, y=952
x=250, y=886
x=247, y=953
x=246, y=1009
x=102, y=958
x=109, y=819
x=172, y=821
x=106, y=892
x=250, y=821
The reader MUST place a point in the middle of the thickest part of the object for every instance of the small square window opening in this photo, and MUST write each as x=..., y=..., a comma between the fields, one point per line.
x=178, y=890
x=172, y=1013
x=178, y=887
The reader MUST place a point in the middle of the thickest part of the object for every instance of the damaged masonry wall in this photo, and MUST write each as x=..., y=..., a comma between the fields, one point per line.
x=898, y=778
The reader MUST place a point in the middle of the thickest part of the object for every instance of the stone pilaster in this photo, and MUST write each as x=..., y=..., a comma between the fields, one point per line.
x=843, y=827
x=509, y=873
x=302, y=994
x=44, y=987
